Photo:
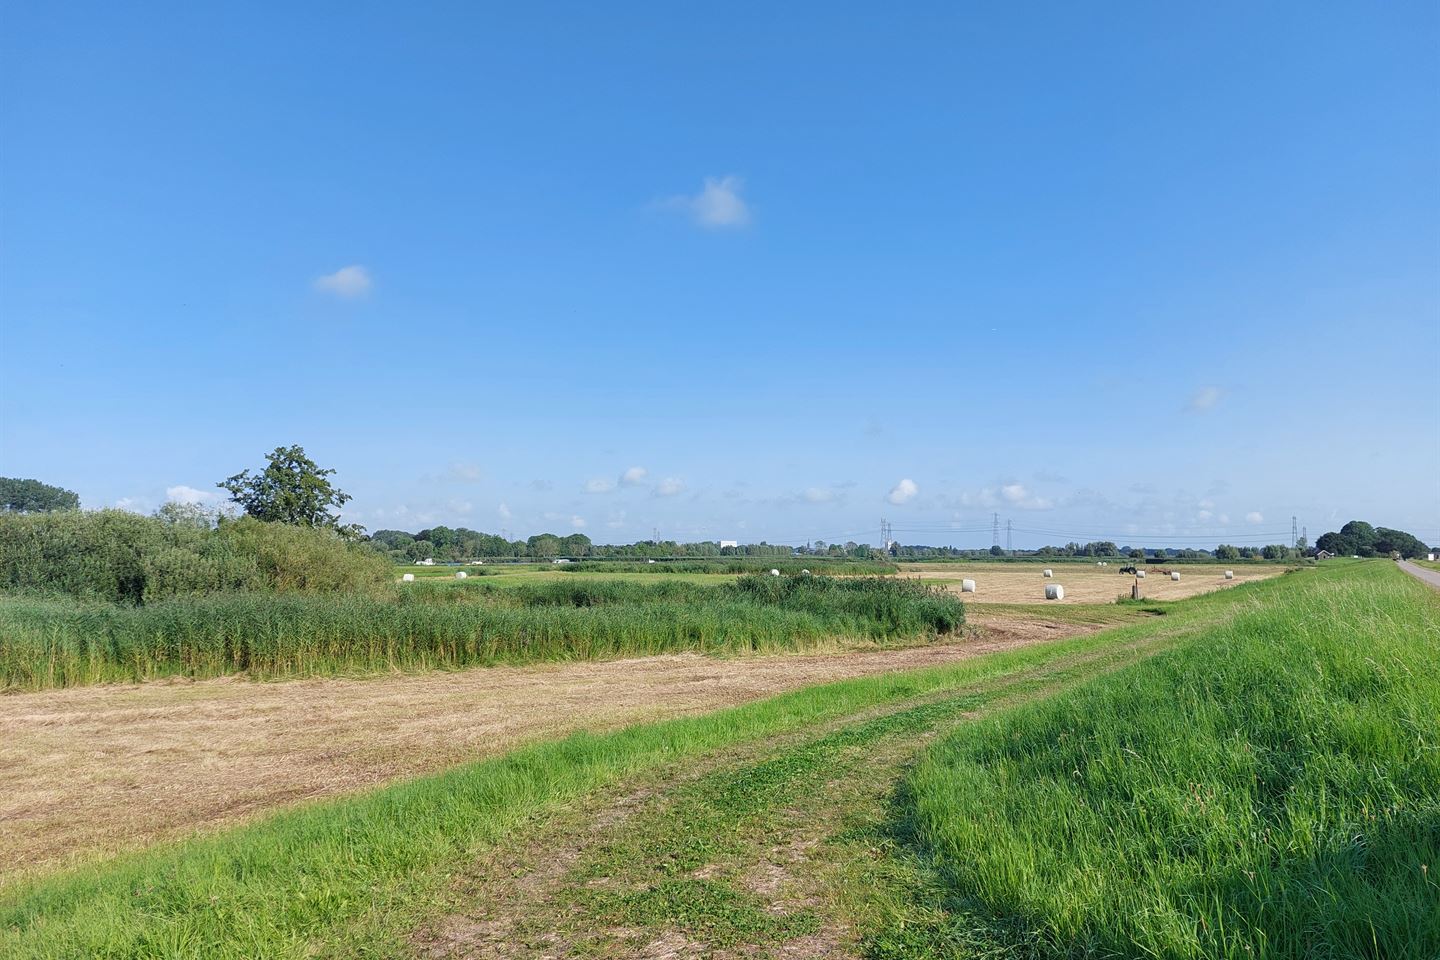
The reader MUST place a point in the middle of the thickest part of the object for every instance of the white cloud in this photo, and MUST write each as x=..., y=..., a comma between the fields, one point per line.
x=1224, y=519
x=599, y=485
x=903, y=491
x=130, y=503
x=1206, y=504
x=633, y=477
x=504, y=511
x=183, y=494
x=718, y=204
x=1204, y=398
x=1203, y=516
x=578, y=523
x=669, y=487
x=1254, y=516
x=347, y=282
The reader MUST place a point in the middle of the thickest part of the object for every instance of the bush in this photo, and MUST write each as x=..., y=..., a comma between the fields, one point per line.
x=123, y=557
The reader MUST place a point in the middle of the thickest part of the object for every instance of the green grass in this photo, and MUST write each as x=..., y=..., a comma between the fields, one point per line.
x=1272, y=789
x=354, y=877
x=64, y=642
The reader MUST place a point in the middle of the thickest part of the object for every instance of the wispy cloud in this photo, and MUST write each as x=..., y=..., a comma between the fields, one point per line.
x=1254, y=516
x=504, y=511
x=717, y=205
x=633, y=477
x=1204, y=399
x=669, y=487
x=599, y=485
x=903, y=492
x=1016, y=495
x=578, y=523
x=349, y=282
x=465, y=472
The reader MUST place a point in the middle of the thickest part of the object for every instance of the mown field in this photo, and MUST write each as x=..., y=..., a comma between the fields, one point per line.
x=1251, y=773
x=1085, y=582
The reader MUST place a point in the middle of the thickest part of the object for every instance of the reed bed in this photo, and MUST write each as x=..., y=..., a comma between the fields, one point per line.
x=59, y=642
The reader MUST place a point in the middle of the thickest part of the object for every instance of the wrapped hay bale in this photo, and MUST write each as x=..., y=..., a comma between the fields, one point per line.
x=1053, y=591
x=1049, y=572
x=408, y=578
x=967, y=586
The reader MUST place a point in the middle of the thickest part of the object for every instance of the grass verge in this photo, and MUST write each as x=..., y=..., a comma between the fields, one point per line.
x=1271, y=789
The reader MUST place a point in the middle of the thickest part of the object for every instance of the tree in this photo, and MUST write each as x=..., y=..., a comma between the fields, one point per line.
x=1137, y=554
x=997, y=551
x=1398, y=541
x=1227, y=552
x=1275, y=551
x=291, y=489
x=32, y=496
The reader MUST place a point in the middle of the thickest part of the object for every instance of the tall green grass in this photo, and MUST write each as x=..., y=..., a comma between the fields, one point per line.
x=1271, y=790
x=46, y=642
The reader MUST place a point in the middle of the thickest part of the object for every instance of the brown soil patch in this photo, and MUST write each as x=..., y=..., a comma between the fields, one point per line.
x=94, y=770
x=1083, y=583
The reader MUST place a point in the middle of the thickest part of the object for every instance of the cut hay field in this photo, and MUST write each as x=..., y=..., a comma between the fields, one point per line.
x=1084, y=583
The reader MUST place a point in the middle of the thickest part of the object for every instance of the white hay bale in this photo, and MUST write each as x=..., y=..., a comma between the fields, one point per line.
x=967, y=586
x=408, y=578
x=1140, y=574
x=1229, y=574
x=1053, y=591
x=1049, y=572
x=461, y=575
x=649, y=561
x=774, y=572
x=1174, y=575
x=805, y=572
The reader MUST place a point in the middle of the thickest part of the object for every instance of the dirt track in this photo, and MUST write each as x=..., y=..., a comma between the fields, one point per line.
x=98, y=769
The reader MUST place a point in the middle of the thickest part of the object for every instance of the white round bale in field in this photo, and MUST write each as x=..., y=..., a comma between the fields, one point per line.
x=1174, y=575
x=461, y=575
x=1229, y=574
x=1053, y=591
x=1049, y=572
x=774, y=572
x=967, y=586
x=1140, y=574
x=408, y=578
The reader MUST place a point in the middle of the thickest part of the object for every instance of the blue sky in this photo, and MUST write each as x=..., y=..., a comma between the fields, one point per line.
x=1131, y=271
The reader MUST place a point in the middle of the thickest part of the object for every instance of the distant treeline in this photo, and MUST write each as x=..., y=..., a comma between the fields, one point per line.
x=451, y=544
x=1358, y=538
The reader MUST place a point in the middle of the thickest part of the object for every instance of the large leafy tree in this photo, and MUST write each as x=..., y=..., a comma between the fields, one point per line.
x=291, y=489
x=32, y=496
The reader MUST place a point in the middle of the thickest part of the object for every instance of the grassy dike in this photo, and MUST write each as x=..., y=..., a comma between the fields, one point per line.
x=1272, y=789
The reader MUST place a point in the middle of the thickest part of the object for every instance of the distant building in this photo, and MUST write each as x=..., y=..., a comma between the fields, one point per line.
x=1323, y=555
x=729, y=543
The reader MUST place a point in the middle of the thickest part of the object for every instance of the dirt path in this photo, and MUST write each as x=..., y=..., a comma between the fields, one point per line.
x=98, y=769
x=777, y=849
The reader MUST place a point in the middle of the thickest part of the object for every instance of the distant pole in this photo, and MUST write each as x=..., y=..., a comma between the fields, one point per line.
x=995, y=529
x=1294, y=534
x=1007, y=537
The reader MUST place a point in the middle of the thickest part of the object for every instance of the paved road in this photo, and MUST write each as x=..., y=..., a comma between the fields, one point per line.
x=1431, y=577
